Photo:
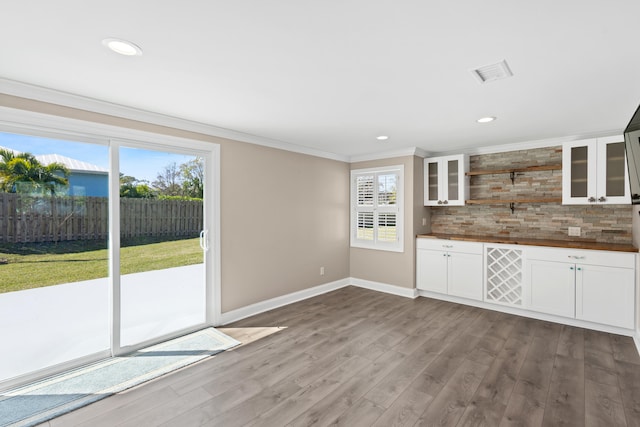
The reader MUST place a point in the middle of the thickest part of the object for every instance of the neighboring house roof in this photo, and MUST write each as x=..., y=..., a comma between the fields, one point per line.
x=9, y=149
x=72, y=164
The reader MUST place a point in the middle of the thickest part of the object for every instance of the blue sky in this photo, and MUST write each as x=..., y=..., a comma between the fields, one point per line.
x=142, y=164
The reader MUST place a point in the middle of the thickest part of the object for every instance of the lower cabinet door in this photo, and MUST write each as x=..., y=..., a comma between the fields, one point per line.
x=605, y=295
x=431, y=270
x=465, y=275
x=552, y=287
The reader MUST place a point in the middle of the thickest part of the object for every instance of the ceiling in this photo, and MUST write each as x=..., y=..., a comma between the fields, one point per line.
x=332, y=75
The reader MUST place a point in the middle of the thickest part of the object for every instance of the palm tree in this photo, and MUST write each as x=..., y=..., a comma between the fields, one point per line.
x=18, y=168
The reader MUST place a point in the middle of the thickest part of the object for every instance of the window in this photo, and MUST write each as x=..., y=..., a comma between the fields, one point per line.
x=376, y=208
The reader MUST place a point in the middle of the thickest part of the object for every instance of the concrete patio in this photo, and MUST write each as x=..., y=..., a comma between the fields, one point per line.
x=43, y=327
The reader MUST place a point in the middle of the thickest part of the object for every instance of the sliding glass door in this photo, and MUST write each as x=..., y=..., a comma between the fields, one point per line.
x=162, y=244
x=104, y=248
x=54, y=284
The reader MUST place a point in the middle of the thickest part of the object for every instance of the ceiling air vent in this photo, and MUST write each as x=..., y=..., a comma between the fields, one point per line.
x=493, y=72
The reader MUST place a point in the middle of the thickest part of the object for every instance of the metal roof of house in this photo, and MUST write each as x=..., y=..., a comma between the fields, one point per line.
x=9, y=149
x=72, y=164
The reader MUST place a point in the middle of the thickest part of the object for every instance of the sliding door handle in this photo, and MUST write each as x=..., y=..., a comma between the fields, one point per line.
x=204, y=240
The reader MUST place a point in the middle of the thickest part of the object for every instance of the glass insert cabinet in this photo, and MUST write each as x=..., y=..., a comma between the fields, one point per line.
x=595, y=172
x=445, y=180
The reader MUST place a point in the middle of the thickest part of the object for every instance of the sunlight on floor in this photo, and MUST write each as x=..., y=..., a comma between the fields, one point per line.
x=248, y=335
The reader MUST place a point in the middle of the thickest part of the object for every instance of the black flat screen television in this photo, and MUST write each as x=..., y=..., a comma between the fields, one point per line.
x=632, y=147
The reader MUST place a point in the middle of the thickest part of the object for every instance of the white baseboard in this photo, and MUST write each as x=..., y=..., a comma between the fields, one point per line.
x=384, y=287
x=532, y=314
x=270, y=304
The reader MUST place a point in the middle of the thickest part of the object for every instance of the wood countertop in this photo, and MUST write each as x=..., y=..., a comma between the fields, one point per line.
x=581, y=244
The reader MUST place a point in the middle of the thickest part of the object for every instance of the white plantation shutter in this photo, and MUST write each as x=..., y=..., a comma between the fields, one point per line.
x=377, y=208
x=365, y=226
x=387, y=227
x=365, y=192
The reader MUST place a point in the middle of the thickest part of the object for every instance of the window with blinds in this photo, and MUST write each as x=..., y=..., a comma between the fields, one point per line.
x=376, y=208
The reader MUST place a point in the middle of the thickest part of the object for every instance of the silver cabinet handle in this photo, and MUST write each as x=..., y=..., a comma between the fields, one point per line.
x=446, y=202
x=602, y=199
x=447, y=246
x=591, y=199
x=576, y=257
x=439, y=202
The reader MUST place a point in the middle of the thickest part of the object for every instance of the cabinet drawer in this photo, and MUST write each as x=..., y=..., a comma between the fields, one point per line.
x=582, y=256
x=449, y=245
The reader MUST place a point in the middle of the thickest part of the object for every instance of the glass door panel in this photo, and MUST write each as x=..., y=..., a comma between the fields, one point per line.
x=579, y=171
x=162, y=271
x=432, y=171
x=453, y=179
x=615, y=174
x=54, y=286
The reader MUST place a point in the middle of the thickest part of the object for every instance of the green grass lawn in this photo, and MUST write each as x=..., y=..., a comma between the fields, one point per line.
x=34, y=266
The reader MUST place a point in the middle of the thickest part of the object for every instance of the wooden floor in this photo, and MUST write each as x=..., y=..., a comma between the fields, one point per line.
x=355, y=357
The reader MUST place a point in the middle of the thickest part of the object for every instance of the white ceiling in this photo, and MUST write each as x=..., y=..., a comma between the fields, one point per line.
x=334, y=74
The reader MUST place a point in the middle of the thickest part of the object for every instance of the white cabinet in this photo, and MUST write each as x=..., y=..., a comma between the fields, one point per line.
x=449, y=267
x=552, y=287
x=465, y=275
x=605, y=295
x=445, y=180
x=595, y=286
x=594, y=171
x=432, y=270
x=589, y=285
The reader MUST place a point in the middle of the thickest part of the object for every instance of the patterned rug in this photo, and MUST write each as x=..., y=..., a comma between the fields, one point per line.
x=35, y=403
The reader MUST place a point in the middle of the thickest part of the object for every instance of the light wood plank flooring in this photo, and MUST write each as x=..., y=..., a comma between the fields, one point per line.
x=355, y=357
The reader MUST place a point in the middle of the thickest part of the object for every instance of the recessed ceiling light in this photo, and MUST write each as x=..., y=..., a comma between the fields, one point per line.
x=382, y=137
x=123, y=47
x=485, y=119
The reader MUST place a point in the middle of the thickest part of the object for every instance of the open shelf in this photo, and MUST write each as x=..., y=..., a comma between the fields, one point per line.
x=512, y=202
x=512, y=172
x=519, y=200
x=515, y=170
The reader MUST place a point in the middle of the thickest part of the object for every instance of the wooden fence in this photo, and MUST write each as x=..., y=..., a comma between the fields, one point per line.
x=26, y=218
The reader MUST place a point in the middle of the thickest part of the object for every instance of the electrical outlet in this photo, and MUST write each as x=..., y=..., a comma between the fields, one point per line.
x=574, y=231
x=322, y=271
x=424, y=221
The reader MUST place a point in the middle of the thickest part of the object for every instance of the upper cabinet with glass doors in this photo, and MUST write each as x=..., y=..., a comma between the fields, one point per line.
x=445, y=180
x=594, y=171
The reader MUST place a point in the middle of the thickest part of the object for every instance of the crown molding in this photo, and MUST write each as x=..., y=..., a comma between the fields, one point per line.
x=52, y=96
x=530, y=145
x=413, y=151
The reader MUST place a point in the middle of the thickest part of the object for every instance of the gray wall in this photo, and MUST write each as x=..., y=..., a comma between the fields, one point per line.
x=284, y=215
